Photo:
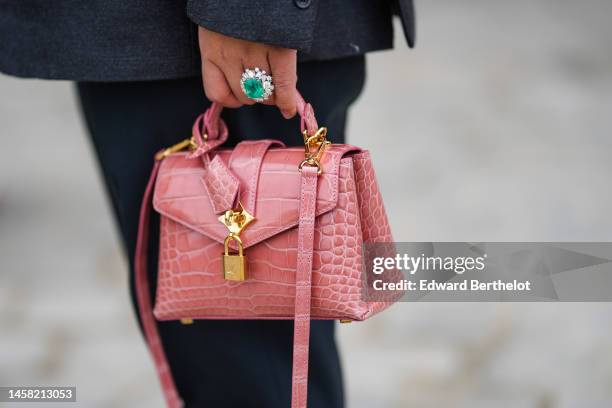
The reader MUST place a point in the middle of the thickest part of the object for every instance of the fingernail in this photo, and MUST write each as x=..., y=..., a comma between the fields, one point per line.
x=287, y=114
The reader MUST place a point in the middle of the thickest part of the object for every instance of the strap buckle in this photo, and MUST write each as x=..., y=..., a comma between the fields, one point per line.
x=314, y=147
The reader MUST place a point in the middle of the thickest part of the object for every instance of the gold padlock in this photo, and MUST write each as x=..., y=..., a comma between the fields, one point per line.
x=234, y=265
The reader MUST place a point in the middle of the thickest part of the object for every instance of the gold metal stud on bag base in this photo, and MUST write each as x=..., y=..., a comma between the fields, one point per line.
x=235, y=265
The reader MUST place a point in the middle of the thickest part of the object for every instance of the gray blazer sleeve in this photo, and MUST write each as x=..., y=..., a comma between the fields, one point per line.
x=285, y=23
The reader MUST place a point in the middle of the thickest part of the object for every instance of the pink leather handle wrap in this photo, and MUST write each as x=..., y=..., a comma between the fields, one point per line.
x=214, y=125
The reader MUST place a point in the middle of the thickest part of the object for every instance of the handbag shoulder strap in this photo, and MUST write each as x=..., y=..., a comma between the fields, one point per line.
x=143, y=296
x=303, y=284
x=301, y=336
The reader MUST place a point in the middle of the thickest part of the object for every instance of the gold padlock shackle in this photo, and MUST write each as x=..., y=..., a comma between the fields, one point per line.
x=227, y=241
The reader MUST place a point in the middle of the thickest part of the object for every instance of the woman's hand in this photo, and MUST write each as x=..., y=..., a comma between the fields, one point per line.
x=225, y=58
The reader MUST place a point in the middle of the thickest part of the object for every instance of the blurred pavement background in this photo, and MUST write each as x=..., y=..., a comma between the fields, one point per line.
x=496, y=128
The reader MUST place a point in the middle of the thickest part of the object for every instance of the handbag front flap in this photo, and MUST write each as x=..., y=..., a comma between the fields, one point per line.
x=181, y=193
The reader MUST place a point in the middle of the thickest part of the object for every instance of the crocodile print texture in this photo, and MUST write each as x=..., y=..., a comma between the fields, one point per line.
x=374, y=222
x=245, y=162
x=314, y=271
x=303, y=287
x=221, y=185
x=375, y=228
x=181, y=196
x=304, y=249
x=191, y=284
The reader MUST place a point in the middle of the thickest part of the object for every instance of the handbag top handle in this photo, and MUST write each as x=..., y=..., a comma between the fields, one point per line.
x=212, y=117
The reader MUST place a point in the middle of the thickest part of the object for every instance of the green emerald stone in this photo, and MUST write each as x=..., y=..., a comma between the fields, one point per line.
x=253, y=88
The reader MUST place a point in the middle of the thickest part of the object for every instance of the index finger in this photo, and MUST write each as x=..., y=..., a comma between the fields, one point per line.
x=283, y=64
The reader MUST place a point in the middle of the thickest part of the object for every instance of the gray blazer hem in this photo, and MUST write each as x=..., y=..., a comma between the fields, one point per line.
x=135, y=70
x=264, y=21
x=118, y=40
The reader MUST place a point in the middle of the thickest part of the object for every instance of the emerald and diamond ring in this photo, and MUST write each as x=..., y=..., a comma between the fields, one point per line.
x=256, y=84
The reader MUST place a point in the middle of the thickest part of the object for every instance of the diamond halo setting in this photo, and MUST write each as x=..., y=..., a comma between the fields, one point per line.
x=256, y=84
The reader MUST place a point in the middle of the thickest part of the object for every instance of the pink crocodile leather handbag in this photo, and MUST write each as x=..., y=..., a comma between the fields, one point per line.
x=261, y=231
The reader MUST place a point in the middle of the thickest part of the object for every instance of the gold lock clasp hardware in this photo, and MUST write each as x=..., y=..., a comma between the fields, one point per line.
x=236, y=220
x=235, y=265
